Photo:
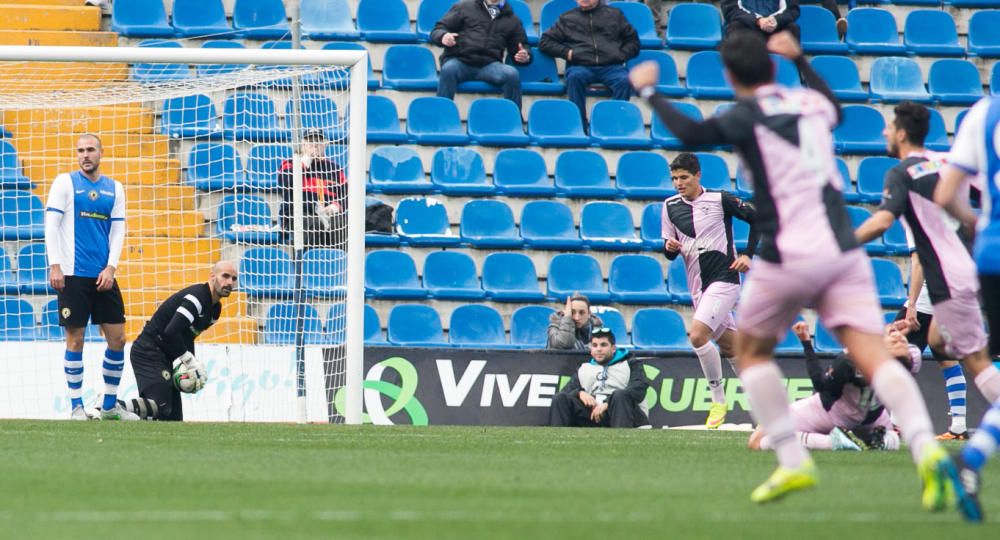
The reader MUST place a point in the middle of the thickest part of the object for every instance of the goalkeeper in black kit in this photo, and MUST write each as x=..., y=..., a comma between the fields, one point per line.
x=163, y=357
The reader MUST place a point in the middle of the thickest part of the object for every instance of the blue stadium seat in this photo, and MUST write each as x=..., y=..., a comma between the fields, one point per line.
x=266, y=272
x=339, y=81
x=785, y=72
x=618, y=124
x=871, y=177
x=641, y=18
x=895, y=239
x=608, y=226
x=392, y=274
x=841, y=73
x=858, y=216
x=974, y=3
x=511, y=277
x=669, y=84
x=325, y=20
x=424, y=222
x=897, y=79
x=714, y=172
x=409, y=67
x=324, y=273
x=529, y=327
x=208, y=70
x=651, y=227
x=214, y=167
x=158, y=73
x=383, y=121
x=659, y=329
x=284, y=83
x=662, y=136
x=476, y=326
x=11, y=175
x=704, y=76
x=583, y=173
x=451, y=275
x=931, y=32
x=373, y=328
x=961, y=114
x=819, y=31
x=889, y=281
x=984, y=40
x=860, y=132
x=459, y=171
x=263, y=164
x=266, y=19
x=613, y=319
x=954, y=82
x=571, y=273
x=22, y=216
x=140, y=18
x=520, y=172
x=200, y=18
x=496, y=122
x=17, y=320
x=246, y=219
x=556, y=122
x=335, y=324
x=250, y=116
x=549, y=225
x=385, y=20
x=995, y=79
x=644, y=175
x=415, y=325
x=824, y=340
x=398, y=169
x=317, y=112
x=540, y=76
x=850, y=193
x=551, y=11
x=429, y=13
x=190, y=117
x=33, y=269
x=741, y=234
x=50, y=330
x=744, y=186
x=637, y=279
x=694, y=26
x=8, y=283
x=873, y=31
x=434, y=120
x=284, y=321
x=937, y=135
x=677, y=282
x=523, y=12
x=489, y=224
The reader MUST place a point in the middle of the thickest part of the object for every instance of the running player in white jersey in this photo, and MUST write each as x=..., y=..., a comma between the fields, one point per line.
x=808, y=256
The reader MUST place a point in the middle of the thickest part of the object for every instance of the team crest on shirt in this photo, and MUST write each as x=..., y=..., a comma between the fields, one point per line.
x=66, y=312
x=92, y=195
x=166, y=375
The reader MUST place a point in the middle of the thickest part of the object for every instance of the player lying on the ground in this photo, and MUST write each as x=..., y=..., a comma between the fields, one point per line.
x=843, y=413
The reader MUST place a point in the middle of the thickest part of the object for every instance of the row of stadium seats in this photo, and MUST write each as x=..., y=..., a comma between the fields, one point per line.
x=18, y=322
x=253, y=19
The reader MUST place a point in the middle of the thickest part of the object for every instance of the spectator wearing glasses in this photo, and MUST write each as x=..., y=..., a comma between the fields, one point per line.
x=571, y=328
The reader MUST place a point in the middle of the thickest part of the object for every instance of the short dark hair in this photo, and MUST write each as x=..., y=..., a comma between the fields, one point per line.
x=914, y=119
x=603, y=332
x=687, y=161
x=745, y=56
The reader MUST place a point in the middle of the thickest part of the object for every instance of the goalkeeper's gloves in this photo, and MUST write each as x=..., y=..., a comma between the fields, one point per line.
x=195, y=367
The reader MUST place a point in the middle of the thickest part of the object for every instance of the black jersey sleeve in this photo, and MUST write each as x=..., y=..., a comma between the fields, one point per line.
x=815, y=371
x=896, y=193
x=191, y=307
x=744, y=211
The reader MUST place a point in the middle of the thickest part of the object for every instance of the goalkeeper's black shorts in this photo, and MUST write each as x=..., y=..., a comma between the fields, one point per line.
x=154, y=376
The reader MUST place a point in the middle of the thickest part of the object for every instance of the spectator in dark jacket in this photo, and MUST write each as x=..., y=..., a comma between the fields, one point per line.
x=324, y=194
x=475, y=34
x=596, y=41
x=765, y=16
x=571, y=328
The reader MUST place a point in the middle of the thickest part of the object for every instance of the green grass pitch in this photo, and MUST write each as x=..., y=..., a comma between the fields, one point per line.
x=161, y=480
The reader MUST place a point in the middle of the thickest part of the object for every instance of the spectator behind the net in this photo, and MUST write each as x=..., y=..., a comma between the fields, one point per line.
x=571, y=328
x=596, y=41
x=475, y=34
x=324, y=194
x=766, y=17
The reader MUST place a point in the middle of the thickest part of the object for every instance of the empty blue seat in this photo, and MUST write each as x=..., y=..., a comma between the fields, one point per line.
x=335, y=325
x=961, y=114
x=392, y=274
x=937, y=134
x=841, y=74
x=190, y=117
x=263, y=164
x=637, y=279
x=415, y=325
x=785, y=72
x=429, y=13
x=214, y=167
x=873, y=31
x=149, y=73
x=266, y=19
x=669, y=84
x=613, y=319
x=694, y=26
x=618, y=124
x=22, y=216
x=714, y=172
x=200, y=18
x=556, y=122
x=384, y=20
x=871, y=177
x=860, y=132
x=523, y=12
x=373, y=327
x=662, y=136
x=424, y=222
x=496, y=122
x=521, y=172
x=608, y=226
x=250, y=116
x=641, y=18
x=931, y=32
x=549, y=225
x=571, y=273
x=383, y=121
x=266, y=272
x=489, y=224
x=529, y=327
x=651, y=227
x=476, y=325
x=984, y=40
x=451, y=275
x=897, y=79
x=50, y=330
x=540, y=76
x=324, y=273
x=246, y=219
x=511, y=277
x=398, y=169
x=858, y=216
x=17, y=320
x=551, y=11
x=995, y=79
x=11, y=175
x=704, y=76
x=208, y=70
x=8, y=283
x=974, y=3
x=317, y=112
x=409, y=67
x=677, y=282
x=644, y=175
x=459, y=171
x=889, y=281
x=849, y=192
x=659, y=329
x=285, y=321
x=338, y=80
x=954, y=82
x=744, y=186
x=434, y=120
x=33, y=270
x=582, y=173
x=895, y=239
x=140, y=18
x=819, y=31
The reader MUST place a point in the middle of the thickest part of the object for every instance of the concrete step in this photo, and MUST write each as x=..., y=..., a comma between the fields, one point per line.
x=50, y=17
x=58, y=38
x=128, y=171
x=139, y=197
x=204, y=251
x=116, y=145
x=158, y=275
x=225, y=330
x=79, y=120
x=178, y=224
x=143, y=302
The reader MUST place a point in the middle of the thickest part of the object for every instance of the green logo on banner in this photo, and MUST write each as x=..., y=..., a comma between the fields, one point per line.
x=404, y=396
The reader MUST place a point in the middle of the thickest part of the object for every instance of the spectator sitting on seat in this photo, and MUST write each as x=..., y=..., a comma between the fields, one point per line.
x=571, y=328
x=596, y=41
x=474, y=34
x=324, y=195
x=606, y=391
x=767, y=17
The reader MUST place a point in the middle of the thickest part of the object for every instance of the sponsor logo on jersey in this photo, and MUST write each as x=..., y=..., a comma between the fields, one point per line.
x=93, y=215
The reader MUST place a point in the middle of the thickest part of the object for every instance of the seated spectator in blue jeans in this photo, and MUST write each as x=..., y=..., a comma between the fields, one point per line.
x=596, y=41
x=475, y=34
